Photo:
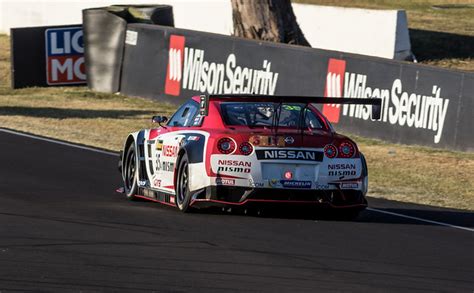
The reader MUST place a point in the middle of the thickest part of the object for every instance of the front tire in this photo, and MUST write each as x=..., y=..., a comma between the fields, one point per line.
x=183, y=195
x=130, y=172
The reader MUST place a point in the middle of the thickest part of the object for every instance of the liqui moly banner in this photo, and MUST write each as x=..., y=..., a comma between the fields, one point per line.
x=65, y=56
x=420, y=104
x=47, y=56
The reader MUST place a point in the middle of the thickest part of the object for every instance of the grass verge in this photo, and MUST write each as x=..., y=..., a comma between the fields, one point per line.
x=403, y=173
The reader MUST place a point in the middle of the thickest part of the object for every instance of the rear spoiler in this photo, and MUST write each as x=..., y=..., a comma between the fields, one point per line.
x=376, y=103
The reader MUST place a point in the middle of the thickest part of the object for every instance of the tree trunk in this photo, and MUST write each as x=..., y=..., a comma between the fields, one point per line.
x=267, y=20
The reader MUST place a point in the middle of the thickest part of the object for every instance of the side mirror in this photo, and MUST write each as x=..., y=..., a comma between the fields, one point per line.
x=159, y=119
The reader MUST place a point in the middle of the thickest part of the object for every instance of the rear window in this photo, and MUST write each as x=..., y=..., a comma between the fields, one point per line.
x=254, y=114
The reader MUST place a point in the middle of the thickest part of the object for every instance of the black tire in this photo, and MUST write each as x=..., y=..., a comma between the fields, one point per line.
x=130, y=172
x=183, y=195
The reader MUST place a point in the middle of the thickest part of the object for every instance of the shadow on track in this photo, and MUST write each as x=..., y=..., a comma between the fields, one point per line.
x=461, y=218
x=59, y=113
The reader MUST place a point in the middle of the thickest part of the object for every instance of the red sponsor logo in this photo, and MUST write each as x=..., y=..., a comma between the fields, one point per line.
x=334, y=88
x=157, y=182
x=175, y=65
x=170, y=150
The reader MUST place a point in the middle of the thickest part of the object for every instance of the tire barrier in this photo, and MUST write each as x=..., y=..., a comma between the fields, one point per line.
x=104, y=36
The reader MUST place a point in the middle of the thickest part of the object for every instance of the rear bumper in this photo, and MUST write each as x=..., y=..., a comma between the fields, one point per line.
x=241, y=196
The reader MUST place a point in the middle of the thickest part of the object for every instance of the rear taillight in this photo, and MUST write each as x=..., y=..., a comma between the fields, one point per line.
x=346, y=150
x=246, y=148
x=226, y=145
x=330, y=151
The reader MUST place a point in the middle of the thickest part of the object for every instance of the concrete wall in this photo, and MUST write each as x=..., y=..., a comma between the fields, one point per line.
x=381, y=33
x=359, y=31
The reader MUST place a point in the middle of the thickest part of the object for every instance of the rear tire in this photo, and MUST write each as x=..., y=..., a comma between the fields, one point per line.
x=183, y=195
x=130, y=172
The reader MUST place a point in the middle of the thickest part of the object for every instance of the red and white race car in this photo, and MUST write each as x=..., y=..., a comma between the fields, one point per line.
x=236, y=150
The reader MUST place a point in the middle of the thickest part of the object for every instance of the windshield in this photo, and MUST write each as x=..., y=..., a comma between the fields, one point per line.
x=263, y=114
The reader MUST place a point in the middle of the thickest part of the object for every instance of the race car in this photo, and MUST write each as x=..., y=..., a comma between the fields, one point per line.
x=237, y=150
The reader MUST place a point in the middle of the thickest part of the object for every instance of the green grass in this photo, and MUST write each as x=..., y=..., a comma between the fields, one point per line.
x=439, y=37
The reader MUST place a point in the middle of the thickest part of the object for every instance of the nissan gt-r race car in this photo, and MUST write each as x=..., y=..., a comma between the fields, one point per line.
x=236, y=150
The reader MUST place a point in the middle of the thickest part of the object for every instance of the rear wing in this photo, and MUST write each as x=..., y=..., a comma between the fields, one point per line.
x=376, y=103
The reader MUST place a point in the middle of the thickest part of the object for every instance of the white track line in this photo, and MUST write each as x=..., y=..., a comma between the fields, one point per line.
x=420, y=219
x=59, y=142
x=115, y=154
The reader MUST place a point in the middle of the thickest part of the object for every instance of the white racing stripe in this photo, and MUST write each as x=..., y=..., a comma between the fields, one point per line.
x=59, y=142
x=420, y=219
x=116, y=154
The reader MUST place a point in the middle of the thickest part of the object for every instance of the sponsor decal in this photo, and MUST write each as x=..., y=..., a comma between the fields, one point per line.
x=198, y=120
x=172, y=199
x=131, y=38
x=334, y=81
x=188, y=68
x=321, y=186
x=224, y=181
x=64, y=56
x=167, y=166
x=174, y=70
x=349, y=185
x=170, y=150
x=267, y=140
x=157, y=182
x=289, y=140
x=342, y=170
x=300, y=155
x=399, y=107
x=273, y=182
x=233, y=166
x=159, y=145
x=255, y=184
x=295, y=184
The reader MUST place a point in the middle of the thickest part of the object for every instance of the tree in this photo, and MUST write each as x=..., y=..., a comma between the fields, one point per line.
x=267, y=20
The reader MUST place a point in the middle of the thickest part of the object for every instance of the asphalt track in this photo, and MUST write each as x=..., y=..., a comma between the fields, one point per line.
x=64, y=229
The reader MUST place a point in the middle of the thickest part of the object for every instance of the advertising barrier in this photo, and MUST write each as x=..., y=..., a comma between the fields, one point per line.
x=421, y=104
x=47, y=56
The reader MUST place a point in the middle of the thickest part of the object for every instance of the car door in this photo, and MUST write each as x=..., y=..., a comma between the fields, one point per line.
x=167, y=144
